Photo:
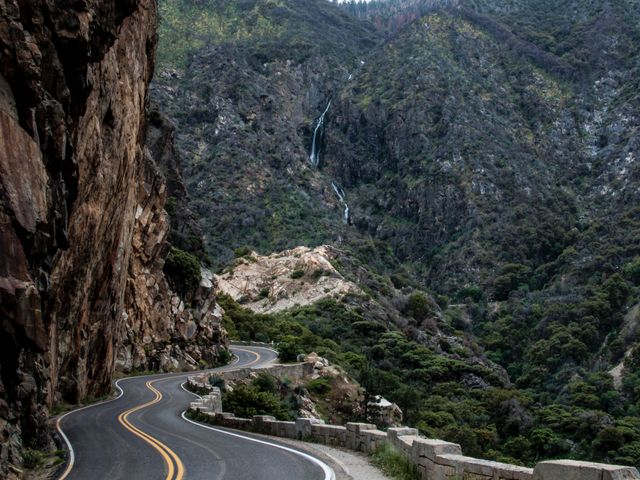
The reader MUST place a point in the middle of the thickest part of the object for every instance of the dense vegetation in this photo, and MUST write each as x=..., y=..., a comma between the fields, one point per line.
x=183, y=271
x=457, y=400
x=489, y=156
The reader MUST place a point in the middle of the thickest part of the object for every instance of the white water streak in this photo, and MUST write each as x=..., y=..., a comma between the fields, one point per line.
x=314, y=158
x=340, y=193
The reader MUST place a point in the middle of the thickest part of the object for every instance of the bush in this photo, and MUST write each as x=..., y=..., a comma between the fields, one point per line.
x=183, y=271
x=289, y=349
x=473, y=293
x=170, y=206
x=217, y=381
x=394, y=463
x=632, y=271
x=298, y=273
x=246, y=401
x=418, y=306
x=242, y=251
x=319, y=386
x=511, y=277
x=31, y=459
x=265, y=383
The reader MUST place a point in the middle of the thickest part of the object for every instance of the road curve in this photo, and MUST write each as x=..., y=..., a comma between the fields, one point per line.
x=142, y=434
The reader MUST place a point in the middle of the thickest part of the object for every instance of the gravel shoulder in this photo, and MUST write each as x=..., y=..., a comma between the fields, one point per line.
x=347, y=464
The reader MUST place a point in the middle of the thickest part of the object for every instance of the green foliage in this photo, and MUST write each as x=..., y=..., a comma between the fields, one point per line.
x=418, y=306
x=510, y=278
x=242, y=251
x=395, y=464
x=632, y=271
x=170, y=206
x=297, y=274
x=218, y=381
x=224, y=357
x=265, y=383
x=289, y=348
x=246, y=401
x=31, y=459
x=475, y=294
x=320, y=385
x=183, y=271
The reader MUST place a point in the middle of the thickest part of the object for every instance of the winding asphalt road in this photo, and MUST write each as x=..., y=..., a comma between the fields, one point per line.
x=142, y=434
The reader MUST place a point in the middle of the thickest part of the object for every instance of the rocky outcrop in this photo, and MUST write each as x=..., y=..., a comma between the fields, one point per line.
x=160, y=331
x=186, y=233
x=296, y=277
x=80, y=208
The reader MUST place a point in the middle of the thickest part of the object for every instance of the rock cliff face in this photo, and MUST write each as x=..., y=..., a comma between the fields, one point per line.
x=160, y=332
x=81, y=208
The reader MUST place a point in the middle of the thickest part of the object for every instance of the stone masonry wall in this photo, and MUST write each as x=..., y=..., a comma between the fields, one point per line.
x=435, y=459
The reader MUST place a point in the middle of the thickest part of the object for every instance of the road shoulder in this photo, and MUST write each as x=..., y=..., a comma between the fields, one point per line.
x=347, y=464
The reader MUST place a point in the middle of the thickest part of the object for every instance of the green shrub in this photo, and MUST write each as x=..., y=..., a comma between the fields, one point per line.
x=182, y=270
x=31, y=459
x=474, y=293
x=319, y=385
x=265, y=383
x=289, y=349
x=217, y=381
x=418, y=306
x=242, y=251
x=395, y=464
x=319, y=272
x=632, y=271
x=298, y=273
x=246, y=401
x=511, y=277
x=170, y=206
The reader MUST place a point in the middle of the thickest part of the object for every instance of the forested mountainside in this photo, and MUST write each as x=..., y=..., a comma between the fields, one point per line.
x=476, y=165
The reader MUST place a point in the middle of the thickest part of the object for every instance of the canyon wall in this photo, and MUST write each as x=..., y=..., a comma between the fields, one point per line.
x=82, y=225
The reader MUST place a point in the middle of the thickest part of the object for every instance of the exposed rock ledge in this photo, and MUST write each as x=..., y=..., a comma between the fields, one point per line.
x=300, y=276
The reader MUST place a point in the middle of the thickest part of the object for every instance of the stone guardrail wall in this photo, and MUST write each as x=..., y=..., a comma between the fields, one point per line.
x=294, y=371
x=434, y=459
x=245, y=343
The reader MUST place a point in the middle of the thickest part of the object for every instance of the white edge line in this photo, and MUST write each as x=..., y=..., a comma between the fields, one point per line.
x=72, y=454
x=329, y=474
x=182, y=386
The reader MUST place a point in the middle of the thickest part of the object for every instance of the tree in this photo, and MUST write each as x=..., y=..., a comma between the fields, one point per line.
x=183, y=271
x=418, y=306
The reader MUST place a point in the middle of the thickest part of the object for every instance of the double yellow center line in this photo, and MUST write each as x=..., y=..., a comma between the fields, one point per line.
x=174, y=464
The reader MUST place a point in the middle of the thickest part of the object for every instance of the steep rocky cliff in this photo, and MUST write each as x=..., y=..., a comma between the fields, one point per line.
x=83, y=226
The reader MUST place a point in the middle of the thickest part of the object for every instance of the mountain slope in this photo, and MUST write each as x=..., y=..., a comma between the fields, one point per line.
x=484, y=151
x=246, y=108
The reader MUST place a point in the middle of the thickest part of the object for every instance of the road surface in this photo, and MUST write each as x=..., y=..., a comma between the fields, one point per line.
x=142, y=435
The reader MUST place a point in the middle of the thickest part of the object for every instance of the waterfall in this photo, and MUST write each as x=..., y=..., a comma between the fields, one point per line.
x=340, y=193
x=314, y=158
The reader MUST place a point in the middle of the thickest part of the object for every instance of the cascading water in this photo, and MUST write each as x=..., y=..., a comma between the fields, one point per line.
x=314, y=157
x=340, y=193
